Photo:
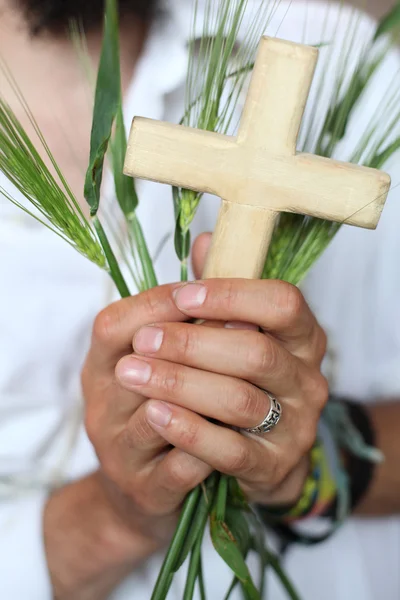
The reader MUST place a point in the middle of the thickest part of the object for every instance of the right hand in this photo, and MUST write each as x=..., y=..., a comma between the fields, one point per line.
x=144, y=490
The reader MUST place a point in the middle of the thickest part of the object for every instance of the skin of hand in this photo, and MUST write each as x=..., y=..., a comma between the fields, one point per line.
x=158, y=387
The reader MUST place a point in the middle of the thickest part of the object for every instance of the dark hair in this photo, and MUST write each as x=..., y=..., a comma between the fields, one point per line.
x=55, y=15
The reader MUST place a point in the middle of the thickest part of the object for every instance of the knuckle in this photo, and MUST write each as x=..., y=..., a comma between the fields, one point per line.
x=239, y=461
x=317, y=390
x=179, y=477
x=189, y=435
x=277, y=469
x=105, y=324
x=247, y=401
x=110, y=464
x=323, y=393
x=171, y=381
x=291, y=302
x=322, y=344
x=138, y=433
x=227, y=297
x=306, y=437
x=184, y=341
x=92, y=424
x=261, y=357
x=150, y=304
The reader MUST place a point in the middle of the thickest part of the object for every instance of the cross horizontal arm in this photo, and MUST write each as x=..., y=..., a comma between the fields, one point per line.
x=177, y=155
x=312, y=185
x=217, y=164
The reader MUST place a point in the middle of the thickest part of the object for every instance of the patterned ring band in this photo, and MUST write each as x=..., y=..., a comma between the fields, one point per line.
x=271, y=420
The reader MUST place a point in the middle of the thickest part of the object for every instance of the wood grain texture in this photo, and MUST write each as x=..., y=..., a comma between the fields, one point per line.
x=258, y=174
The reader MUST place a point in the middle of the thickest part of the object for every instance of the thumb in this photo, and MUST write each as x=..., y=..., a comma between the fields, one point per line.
x=199, y=253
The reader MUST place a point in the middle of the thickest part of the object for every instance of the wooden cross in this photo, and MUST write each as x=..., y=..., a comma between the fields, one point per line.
x=258, y=174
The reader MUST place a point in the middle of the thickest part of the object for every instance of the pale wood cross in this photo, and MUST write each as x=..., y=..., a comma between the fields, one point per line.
x=258, y=174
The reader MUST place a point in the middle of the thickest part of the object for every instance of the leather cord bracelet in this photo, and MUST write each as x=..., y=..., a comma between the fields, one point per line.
x=360, y=470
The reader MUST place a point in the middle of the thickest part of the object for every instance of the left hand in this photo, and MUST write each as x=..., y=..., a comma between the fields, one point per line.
x=219, y=371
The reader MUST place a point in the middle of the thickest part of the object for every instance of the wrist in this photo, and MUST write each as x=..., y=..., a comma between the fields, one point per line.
x=89, y=548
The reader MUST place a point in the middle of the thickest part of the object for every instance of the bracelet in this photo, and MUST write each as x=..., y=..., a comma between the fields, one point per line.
x=360, y=466
x=342, y=467
x=319, y=491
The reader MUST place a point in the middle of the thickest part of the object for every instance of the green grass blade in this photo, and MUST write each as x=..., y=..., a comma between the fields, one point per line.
x=107, y=101
x=166, y=574
x=124, y=185
x=390, y=23
x=128, y=200
x=52, y=201
x=194, y=566
x=115, y=270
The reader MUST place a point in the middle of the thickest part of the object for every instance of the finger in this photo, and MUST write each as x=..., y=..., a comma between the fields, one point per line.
x=176, y=475
x=223, y=449
x=229, y=400
x=261, y=461
x=199, y=253
x=130, y=442
x=277, y=307
x=115, y=326
x=243, y=354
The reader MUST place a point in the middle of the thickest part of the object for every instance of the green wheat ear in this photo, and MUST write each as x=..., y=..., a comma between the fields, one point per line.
x=52, y=202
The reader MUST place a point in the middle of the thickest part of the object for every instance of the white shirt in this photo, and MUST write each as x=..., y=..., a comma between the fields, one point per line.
x=50, y=296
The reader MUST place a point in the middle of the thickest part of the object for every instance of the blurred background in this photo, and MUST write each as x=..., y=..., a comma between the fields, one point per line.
x=375, y=7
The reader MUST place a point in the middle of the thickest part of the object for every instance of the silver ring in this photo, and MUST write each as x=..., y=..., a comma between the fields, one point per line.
x=271, y=420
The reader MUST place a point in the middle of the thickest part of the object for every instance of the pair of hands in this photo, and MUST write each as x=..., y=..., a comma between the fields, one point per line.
x=152, y=382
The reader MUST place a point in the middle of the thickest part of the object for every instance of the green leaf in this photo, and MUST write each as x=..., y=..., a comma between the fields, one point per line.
x=237, y=522
x=202, y=587
x=389, y=23
x=339, y=116
x=273, y=560
x=380, y=159
x=46, y=189
x=124, y=185
x=176, y=200
x=107, y=101
x=228, y=548
x=194, y=568
x=236, y=496
x=231, y=588
x=182, y=240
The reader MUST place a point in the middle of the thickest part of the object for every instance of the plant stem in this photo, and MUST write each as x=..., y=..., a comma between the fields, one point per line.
x=194, y=566
x=231, y=588
x=222, y=495
x=115, y=271
x=199, y=520
x=149, y=274
x=201, y=581
x=184, y=270
x=164, y=579
x=275, y=565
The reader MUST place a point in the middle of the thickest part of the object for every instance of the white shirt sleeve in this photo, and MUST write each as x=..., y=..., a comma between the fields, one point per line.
x=24, y=572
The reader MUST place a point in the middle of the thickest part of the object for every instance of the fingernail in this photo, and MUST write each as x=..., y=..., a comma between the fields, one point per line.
x=191, y=295
x=241, y=325
x=148, y=339
x=134, y=372
x=158, y=413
